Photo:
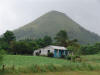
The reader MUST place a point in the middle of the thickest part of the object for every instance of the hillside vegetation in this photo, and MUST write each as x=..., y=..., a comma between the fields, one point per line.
x=52, y=22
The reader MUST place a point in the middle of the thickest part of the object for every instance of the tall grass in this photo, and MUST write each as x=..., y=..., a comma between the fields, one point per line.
x=30, y=64
x=53, y=68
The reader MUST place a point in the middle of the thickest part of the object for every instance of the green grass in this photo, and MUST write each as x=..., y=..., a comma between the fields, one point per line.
x=19, y=60
x=36, y=64
x=92, y=59
x=63, y=73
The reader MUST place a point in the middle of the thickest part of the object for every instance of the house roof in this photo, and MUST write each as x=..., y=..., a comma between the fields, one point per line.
x=58, y=47
x=54, y=47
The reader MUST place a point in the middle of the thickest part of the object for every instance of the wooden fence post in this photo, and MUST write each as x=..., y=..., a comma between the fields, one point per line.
x=3, y=67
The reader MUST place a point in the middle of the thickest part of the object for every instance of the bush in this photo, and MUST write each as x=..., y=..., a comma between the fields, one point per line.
x=2, y=52
x=68, y=57
x=90, y=49
x=37, y=54
x=50, y=55
x=73, y=58
x=63, y=56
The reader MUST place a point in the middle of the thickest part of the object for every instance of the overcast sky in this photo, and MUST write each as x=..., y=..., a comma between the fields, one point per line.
x=16, y=13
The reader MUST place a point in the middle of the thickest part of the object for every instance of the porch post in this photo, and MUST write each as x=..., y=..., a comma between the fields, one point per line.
x=58, y=53
x=64, y=52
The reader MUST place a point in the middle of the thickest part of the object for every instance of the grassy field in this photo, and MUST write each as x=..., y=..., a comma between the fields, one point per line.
x=63, y=73
x=92, y=59
x=18, y=60
x=42, y=65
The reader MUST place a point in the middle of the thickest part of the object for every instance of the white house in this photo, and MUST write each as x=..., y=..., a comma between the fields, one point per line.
x=58, y=51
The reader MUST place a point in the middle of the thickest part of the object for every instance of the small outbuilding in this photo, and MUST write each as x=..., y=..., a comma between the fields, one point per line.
x=57, y=51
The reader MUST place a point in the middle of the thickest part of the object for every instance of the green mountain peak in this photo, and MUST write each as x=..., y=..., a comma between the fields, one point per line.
x=51, y=23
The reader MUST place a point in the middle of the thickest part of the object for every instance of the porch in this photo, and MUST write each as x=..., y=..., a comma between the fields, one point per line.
x=59, y=53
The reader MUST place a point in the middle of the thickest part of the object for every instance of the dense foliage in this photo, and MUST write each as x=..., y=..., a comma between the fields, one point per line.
x=2, y=53
x=61, y=38
x=10, y=45
x=90, y=49
x=9, y=37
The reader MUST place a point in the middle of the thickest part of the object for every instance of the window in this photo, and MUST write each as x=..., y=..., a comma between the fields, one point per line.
x=48, y=51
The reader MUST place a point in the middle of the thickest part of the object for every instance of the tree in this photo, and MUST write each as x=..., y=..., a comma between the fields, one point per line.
x=90, y=49
x=40, y=43
x=47, y=40
x=33, y=45
x=61, y=38
x=22, y=47
x=97, y=46
x=4, y=45
x=71, y=42
x=9, y=36
x=74, y=48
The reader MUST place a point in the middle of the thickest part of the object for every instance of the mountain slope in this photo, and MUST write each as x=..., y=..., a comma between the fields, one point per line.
x=51, y=23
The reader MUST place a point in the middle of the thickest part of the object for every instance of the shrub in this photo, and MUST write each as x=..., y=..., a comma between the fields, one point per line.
x=37, y=54
x=63, y=56
x=73, y=58
x=2, y=52
x=50, y=54
x=68, y=57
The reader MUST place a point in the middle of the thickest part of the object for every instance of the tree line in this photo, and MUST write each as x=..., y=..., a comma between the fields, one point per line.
x=9, y=44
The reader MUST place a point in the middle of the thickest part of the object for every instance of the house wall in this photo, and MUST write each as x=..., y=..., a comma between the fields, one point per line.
x=34, y=53
x=44, y=51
